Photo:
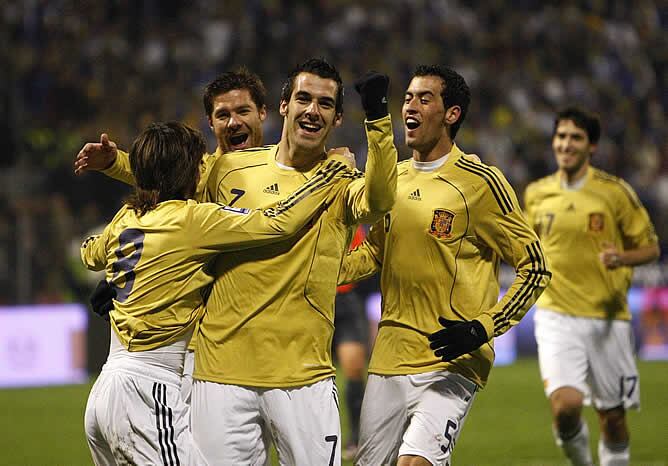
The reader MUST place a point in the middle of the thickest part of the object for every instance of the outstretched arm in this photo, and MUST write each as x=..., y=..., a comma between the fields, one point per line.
x=104, y=156
x=224, y=228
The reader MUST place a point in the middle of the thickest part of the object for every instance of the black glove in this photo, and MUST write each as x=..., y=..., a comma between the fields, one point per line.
x=101, y=299
x=457, y=338
x=372, y=87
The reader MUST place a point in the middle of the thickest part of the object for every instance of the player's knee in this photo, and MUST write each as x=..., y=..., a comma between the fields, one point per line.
x=613, y=425
x=566, y=408
x=410, y=460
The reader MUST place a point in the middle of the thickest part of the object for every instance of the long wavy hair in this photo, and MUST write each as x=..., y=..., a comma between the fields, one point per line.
x=165, y=161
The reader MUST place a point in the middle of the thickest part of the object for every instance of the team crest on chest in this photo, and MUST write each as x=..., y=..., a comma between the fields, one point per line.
x=596, y=222
x=441, y=224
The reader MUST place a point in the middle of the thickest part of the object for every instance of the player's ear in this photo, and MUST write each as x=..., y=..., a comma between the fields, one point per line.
x=283, y=108
x=592, y=149
x=208, y=118
x=338, y=119
x=452, y=114
x=263, y=113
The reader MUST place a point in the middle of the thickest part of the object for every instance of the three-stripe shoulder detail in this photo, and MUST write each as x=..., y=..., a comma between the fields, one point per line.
x=495, y=184
x=322, y=177
x=606, y=178
x=533, y=282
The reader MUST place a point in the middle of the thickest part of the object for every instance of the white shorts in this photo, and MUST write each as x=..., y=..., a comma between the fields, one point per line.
x=187, y=381
x=594, y=356
x=234, y=425
x=420, y=415
x=135, y=415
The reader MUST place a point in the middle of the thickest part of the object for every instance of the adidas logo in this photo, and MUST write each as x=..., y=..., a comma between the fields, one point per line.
x=415, y=195
x=273, y=189
x=571, y=207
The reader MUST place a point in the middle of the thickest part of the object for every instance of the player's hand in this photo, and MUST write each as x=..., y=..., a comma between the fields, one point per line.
x=344, y=155
x=457, y=338
x=96, y=155
x=372, y=88
x=101, y=299
x=610, y=256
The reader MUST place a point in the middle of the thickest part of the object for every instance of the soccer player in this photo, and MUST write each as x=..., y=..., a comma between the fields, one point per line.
x=263, y=361
x=439, y=250
x=263, y=356
x=234, y=104
x=154, y=252
x=594, y=230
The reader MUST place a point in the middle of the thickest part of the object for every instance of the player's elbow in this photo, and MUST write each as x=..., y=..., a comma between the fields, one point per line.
x=654, y=253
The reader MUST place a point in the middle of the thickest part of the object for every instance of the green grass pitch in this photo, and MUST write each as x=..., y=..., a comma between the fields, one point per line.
x=508, y=425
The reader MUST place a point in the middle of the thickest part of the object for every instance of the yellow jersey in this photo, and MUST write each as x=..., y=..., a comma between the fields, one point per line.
x=439, y=250
x=158, y=262
x=573, y=225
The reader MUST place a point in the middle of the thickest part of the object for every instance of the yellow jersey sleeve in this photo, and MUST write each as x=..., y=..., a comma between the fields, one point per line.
x=366, y=259
x=636, y=227
x=93, y=252
x=369, y=198
x=228, y=228
x=502, y=226
x=120, y=170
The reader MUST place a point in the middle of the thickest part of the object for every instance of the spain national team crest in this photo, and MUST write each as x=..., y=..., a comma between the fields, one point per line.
x=441, y=224
x=596, y=222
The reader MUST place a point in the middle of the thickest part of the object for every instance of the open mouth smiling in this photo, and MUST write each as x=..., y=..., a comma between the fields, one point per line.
x=309, y=127
x=412, y=123
x=238, y=139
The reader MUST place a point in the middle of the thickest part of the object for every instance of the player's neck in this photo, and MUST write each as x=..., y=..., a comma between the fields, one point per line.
x=302, y=160
x=441, y=148
x=571, y=178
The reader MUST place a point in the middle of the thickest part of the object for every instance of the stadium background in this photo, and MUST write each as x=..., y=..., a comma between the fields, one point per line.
x=70, y=70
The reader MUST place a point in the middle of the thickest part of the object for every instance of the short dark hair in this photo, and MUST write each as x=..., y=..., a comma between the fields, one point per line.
x=319, y=67
x=583, y=119
x=239, y=79
x=455, y=90
x=165, y=160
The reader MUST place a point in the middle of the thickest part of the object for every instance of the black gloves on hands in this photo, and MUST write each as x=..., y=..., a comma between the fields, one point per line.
x=372, y=87
x=101, y=299
x=457, y=338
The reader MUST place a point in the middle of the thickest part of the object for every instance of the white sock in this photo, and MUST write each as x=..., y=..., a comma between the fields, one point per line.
x=576, y=446
x=613, y=454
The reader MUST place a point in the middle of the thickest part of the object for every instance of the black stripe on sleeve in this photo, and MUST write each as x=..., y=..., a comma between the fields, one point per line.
x=498, y=190
x=531, y=284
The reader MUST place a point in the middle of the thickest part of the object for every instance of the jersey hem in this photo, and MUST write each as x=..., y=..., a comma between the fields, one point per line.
x=256, y=384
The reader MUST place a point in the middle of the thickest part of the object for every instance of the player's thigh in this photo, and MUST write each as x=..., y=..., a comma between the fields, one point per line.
x=98, y=446
x=383, y=419
x=614, y=376
x=226, y=423
x=187, y=381
x=562, y=352
x=144, y=421
x=305, y=424
x=438, y=418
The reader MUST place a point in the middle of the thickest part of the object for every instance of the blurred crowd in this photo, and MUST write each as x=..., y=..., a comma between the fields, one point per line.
x=71, y=70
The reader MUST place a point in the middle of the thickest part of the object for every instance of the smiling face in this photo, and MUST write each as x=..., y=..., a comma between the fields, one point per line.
x=572, y=149
x=310, y=114
x=426, y=118
x=236, y=121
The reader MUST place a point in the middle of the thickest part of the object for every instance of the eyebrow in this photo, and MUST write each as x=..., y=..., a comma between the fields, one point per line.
x=420, y=93
x=237, y=108
x=307, y=95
